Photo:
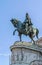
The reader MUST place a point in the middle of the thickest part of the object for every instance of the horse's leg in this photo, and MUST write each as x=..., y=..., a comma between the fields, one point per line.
x=37, y=36
x=31, y=36
x=33, y=41
x=20, y=36
x=14, y=31
x=37, y=33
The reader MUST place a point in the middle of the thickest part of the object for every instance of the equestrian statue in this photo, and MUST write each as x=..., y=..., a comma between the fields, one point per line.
x=25, y=28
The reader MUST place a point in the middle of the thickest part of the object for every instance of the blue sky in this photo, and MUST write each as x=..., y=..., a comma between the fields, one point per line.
x=16, y=9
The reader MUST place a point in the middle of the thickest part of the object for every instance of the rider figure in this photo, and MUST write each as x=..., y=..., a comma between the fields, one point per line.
x=28, y=24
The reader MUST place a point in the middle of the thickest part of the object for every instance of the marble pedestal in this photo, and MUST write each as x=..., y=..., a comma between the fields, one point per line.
x=25, y=53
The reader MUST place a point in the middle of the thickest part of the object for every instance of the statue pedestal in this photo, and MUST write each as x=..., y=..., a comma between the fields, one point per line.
x=24, y=53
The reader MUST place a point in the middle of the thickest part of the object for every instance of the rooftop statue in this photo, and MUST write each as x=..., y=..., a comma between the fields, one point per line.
x=25, y=28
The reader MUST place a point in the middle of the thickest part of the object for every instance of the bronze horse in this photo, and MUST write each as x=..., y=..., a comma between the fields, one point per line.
x=21, y=30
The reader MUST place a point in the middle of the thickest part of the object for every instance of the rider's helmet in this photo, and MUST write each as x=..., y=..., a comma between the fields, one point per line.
x=27, y=15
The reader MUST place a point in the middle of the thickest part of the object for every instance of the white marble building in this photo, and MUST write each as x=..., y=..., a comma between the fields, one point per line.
x=24, y=53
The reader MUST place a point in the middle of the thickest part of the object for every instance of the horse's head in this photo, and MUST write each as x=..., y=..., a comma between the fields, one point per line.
x=14, y=22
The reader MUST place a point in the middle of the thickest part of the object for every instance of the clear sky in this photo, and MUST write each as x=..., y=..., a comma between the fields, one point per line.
x=16, y=9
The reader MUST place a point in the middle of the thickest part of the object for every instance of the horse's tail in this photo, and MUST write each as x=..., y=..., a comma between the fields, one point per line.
x=37, y=33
